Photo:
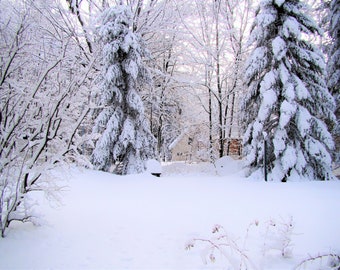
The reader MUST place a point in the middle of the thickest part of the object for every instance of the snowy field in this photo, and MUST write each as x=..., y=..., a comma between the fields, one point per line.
x=105, y=221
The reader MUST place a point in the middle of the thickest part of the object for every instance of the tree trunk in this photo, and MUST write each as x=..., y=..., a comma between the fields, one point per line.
x=219, y=83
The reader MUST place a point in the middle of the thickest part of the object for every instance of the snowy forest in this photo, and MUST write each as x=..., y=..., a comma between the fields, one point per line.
x=108, y=85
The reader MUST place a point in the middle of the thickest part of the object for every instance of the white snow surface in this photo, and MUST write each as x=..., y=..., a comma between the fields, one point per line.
x=104, y=221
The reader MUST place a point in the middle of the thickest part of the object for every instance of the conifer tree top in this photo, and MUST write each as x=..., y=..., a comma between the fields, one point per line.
x=288, y=101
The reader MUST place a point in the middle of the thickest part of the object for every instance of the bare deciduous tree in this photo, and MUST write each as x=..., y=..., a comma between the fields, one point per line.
x=41, y=105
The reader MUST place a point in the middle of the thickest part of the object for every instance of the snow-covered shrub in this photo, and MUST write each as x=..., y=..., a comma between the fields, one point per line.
x=250, y=251
x=330, y=261
x=261, y=241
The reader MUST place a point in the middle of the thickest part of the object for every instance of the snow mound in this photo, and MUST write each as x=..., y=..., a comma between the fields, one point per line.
x=153, y=166
x=227, y=165
x=222, y=167
x=183, y=168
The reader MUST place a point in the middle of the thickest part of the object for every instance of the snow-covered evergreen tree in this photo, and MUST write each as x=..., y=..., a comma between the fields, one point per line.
x=125, y=136
x=288, y=101
x=333, y=68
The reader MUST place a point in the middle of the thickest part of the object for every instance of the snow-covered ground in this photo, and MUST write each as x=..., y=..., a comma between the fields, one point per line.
x=105, y=221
